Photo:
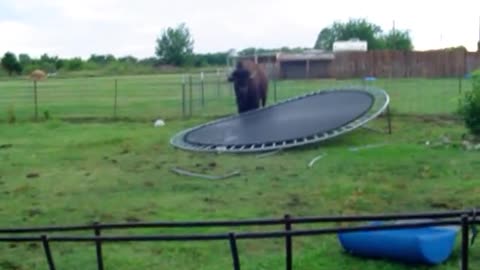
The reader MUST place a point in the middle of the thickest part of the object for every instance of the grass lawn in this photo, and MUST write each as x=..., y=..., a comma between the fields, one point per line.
x=55, y=172
x=120, y=172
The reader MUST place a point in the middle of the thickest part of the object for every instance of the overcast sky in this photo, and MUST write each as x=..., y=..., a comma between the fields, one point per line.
x=129, y=27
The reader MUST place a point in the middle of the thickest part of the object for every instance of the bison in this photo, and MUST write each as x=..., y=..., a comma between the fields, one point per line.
x=250, y=84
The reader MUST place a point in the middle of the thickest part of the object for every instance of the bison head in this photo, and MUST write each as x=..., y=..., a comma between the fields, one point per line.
x=240, y=78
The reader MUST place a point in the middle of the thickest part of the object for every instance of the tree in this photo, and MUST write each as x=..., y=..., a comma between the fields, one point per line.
x=354, y=28
x=398, y=40
x=24, y=59
x=150, y=61
x=101, y=59
x=74, y=64
x=128, y=59
x=11, y=64
x=363, y=30
x=175, y=46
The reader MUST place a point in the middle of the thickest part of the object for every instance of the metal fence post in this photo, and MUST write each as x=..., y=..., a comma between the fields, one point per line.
x=190, y=83
x=35, y=99
x=184, y=107
x=389, y=120
x=115, y=100
x=202, y=86
x=234, y=251
x=98, y=246
x=460, y=79
x=48, y=252
x=218, y=83
x=288, y=244
x=274, y=90
x=465, y=243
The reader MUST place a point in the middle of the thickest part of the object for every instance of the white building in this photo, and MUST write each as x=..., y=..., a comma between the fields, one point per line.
x=352, y=45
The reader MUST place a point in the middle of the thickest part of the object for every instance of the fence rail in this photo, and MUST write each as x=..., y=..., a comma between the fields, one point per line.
x=465, y=219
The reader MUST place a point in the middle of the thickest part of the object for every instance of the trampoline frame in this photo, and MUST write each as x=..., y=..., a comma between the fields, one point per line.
x=381, y=102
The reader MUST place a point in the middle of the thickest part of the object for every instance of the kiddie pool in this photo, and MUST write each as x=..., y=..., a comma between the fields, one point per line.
x=427, y=245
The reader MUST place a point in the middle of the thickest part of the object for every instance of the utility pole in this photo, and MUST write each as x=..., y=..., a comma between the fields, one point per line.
x=478, y=43
x=394, y=36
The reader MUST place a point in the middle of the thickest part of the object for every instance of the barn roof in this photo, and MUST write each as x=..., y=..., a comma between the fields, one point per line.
x=289, y=56
x=308, y=55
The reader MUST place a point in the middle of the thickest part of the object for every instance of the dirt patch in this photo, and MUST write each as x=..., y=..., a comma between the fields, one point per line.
x=34, y=212
x=260, y=168
x=33, y=246
x=213, y=201
x=445, y=119
x=5, y=146
x=21, y=189
x=187, y=188
x=294, y=200
x=33, y=175
x=148, y=184
x=70, y=209
x=132, y=219
x=8, y=265
x=445, y=205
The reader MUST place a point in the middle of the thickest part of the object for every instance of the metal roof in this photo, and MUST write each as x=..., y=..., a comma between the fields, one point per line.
x=305, y=56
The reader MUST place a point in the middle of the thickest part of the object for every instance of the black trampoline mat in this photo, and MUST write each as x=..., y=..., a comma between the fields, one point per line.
x=288, y=121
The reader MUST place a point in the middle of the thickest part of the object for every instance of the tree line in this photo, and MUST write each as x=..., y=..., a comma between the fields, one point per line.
x=175, y=47
x=25, y=64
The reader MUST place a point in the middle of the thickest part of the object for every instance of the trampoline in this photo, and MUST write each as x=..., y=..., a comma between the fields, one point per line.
x=297, y=121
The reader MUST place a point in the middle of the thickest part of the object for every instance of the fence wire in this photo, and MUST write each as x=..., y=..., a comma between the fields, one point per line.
x=200, y=95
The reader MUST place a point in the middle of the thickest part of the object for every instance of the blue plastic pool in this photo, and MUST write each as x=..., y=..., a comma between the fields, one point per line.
x=430, y=245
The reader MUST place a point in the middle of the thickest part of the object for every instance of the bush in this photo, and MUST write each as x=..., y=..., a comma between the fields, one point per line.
x=470, y=106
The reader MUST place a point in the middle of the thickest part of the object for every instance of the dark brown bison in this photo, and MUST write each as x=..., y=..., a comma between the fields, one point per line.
x=251, y=85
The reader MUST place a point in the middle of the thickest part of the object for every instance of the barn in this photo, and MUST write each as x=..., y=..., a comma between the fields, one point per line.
x=308, y=64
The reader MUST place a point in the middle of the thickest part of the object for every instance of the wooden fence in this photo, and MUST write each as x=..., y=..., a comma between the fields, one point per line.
x=398, y=64
x=384, y=63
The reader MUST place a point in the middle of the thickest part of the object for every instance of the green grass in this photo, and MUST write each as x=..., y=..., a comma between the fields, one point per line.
x=160, y=96
x=120, y=171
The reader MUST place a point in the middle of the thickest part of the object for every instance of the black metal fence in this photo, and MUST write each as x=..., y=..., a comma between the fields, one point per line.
x=465, y=219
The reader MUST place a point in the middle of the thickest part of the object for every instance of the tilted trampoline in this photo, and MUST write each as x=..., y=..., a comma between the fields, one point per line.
x=306, y=119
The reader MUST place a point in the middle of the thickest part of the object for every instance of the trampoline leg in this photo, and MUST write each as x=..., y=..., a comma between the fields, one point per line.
x=389, y=120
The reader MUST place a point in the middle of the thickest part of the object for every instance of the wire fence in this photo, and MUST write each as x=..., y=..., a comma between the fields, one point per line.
x=464, y=219
x=199, y=95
